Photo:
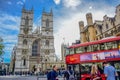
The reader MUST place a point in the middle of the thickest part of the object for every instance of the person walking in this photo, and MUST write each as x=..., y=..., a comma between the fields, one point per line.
x=54, y=73
x=95, y=73
x=109, y=71
x=69, y=74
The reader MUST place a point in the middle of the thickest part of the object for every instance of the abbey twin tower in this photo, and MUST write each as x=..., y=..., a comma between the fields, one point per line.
x=35, y=49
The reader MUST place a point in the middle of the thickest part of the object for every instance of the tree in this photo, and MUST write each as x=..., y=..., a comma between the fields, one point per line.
x=1, y=46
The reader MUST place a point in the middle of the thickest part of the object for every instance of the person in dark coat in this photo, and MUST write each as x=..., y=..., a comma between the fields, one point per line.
x=54, y=73
x=66, y=73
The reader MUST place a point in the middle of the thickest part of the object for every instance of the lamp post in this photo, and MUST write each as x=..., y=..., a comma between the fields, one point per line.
x=46, y=64
x=42, y=62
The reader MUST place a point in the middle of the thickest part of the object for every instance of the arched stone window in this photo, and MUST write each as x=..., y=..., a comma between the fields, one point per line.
x=26, y=21
x=24, y=62
x=107, y=26
x=24, y=51
x=47, y=23
x=24, y=42
x=47, y=52
x=35, y=48
x=47, y=43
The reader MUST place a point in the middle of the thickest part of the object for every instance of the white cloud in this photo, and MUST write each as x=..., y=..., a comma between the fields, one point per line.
x=10, y=41
x=57, y=2
x=10, y=38
x=90, y=7
x=6, y=31
x=6, y=17
x=71, y=3
x=20, y=3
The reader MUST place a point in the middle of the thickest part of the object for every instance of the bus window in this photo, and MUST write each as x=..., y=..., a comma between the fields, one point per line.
x=102, y=46
x=109, y=45
x=89, y=48
x=82, y=49
x=115, y=44
x=95, y=47
x=79, y=50
x=67, y=52
x=86, y=48
x=72, y=51
x=119, y=44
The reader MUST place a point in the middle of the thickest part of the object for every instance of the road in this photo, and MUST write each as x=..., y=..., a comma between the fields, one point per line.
x=24, y=78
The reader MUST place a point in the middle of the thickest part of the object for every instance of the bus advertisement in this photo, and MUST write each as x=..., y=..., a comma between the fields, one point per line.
x=81, y=56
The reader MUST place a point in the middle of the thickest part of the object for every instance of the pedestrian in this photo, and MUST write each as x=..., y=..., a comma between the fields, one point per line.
x=69, y=74
x=65, y=74
x=54, y=73
x=95, y=73
x=109, y=71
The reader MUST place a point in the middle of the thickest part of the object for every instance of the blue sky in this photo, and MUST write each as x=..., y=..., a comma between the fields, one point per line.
x=67, y=14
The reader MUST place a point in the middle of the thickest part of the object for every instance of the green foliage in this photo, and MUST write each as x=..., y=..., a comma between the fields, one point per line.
x=1, y=46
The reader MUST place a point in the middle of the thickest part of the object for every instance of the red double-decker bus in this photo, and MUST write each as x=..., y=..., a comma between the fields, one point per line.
x=81, y=56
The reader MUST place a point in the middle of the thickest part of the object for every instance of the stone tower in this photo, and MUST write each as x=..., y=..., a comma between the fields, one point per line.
x=22, y=51
x=26, y=21
x=82, y=33
x=91, y=30
x=117, y=17
x=47, y=36
x=109, y=26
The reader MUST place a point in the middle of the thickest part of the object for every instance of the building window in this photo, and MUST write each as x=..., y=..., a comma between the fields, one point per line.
x=47, y=23
x=111, y=32
x=47, y=52
x=24, y=62
x=26, y=21
x=24, y=51
x=47, y=43
x=118, y=28
x=96, y=32
x=100, y=27
x=24, y=42
x=106, y=26
x=35, y=48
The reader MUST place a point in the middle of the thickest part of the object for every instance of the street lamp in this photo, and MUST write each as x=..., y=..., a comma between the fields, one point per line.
x=46, y=64
x=41, y=60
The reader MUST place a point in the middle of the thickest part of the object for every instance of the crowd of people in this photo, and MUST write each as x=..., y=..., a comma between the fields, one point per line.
x=95, y=73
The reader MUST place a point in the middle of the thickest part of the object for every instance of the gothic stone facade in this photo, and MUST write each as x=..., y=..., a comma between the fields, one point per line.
x=35, y=49
x=110, y=26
